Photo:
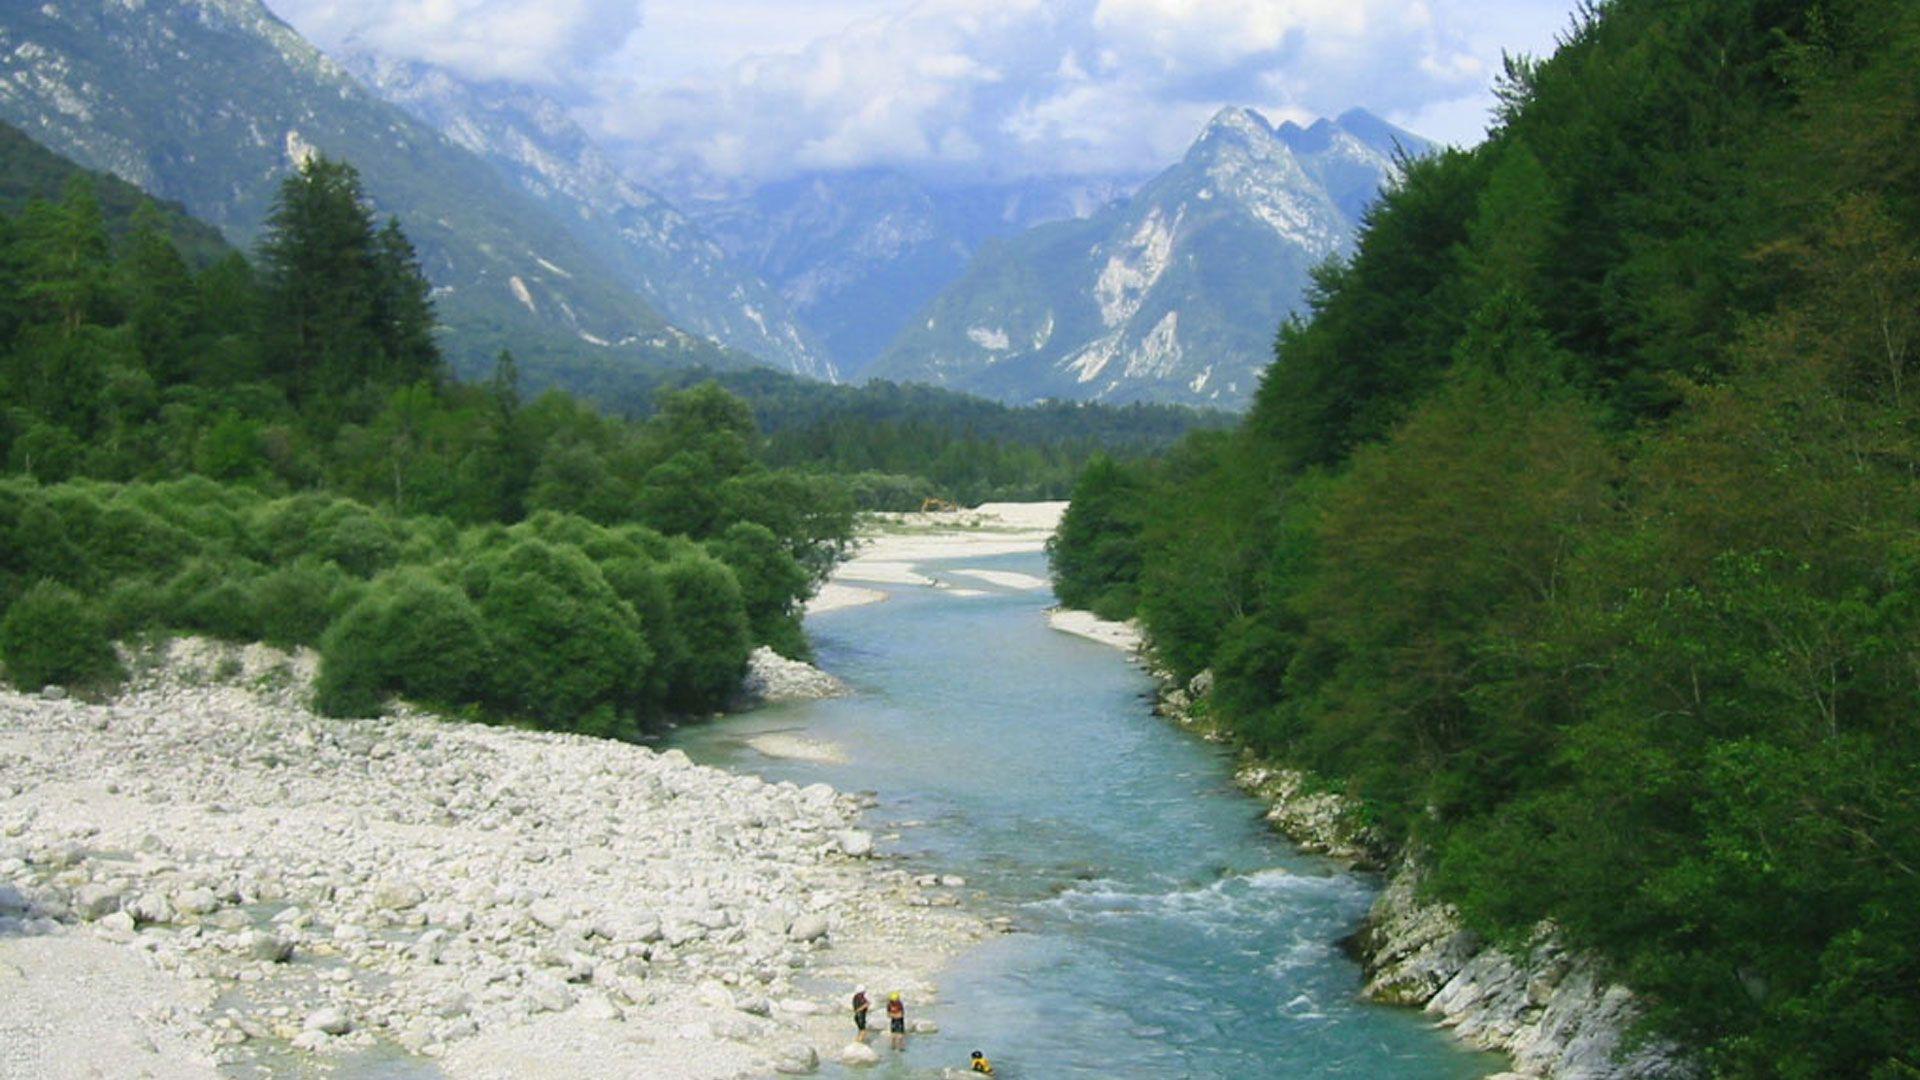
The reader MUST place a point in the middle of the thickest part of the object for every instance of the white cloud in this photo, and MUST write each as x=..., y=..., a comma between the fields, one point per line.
x=535, y=41
x=759, y=89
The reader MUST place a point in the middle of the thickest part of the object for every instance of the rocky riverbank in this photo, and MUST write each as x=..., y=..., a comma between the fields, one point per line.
x=1549, y=1009
x=203, y=876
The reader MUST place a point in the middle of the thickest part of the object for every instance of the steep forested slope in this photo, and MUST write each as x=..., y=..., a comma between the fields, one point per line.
x=212, y=102
x=1574, y=531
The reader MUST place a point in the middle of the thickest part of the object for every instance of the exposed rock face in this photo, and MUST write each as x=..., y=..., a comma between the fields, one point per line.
x=1551, y=1009
x=1149, y=299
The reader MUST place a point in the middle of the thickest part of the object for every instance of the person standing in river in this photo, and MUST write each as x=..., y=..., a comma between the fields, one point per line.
x=897, y=1020
x=860, y=1013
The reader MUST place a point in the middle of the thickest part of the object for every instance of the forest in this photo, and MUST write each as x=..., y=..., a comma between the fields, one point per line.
x=276, y=452
x=1573, y=533
x=896, y=445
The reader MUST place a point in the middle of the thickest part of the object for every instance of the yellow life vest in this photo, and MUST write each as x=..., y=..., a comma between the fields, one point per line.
x=982, y=1065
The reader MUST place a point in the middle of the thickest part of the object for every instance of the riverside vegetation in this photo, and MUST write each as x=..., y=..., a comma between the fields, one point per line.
x=1572, y=536
x=276, y=454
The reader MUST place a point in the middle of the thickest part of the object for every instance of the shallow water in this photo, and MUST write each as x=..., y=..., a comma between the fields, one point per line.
x=1166, y=932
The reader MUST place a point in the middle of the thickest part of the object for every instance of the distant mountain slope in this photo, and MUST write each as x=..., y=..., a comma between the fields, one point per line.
x=209, y=102
x=30, y=171
x=1174, y=295
x=858, y=253
x=678, y=269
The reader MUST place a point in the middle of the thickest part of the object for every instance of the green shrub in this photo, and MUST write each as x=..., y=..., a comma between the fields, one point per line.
x=132, y=605
x=353, y=536
x=294, y=604
x=53, y=636
x=772, y=584
x=567, y=644
x=215, y=597
x=712, y=623
x=638, y=581
x=409, y=634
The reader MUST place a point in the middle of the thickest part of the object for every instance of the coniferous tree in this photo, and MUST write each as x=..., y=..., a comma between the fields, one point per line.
x=321, y=288
x=160, y=296
x=403, y=309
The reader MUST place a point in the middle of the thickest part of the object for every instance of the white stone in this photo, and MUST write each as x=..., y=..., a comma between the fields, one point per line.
x=808, y=927
x=859, y=1054
x=328, y=1020
x=796, y=1060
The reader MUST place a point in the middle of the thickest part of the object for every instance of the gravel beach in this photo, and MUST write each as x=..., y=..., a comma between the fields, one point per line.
x=202, y=877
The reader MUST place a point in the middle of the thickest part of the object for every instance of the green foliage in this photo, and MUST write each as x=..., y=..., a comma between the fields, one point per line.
x=773, y=587
x=410, y=635
x=1574, y=533
x=1096, y=553
x=51, y=636
x=569, y=652
x=714, y=631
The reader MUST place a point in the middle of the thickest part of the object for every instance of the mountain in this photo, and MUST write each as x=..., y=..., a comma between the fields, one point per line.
x=857, y=253
x=211, y=102
x=1173, y=295
x=662, y=254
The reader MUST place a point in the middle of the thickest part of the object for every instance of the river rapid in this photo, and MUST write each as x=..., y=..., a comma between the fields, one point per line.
x=1162, y=929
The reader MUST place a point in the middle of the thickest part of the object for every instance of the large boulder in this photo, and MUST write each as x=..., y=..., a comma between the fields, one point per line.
x=796, y=1060
x=328, y=1021
x=859, y=1054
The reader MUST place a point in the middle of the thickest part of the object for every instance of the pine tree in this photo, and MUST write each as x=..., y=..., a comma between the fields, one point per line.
x=321, y=289
x=403, y=309
x=65, y=259
x=160, y=295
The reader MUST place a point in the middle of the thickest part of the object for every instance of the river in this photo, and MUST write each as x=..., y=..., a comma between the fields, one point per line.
x=1164, y=930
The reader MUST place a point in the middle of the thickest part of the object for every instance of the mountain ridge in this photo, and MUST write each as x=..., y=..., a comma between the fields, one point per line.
x=1173, y=295
x=660, y=251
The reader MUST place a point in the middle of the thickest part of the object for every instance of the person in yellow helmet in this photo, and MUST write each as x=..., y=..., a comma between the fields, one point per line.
x=981, y=1065
x=897, y=1021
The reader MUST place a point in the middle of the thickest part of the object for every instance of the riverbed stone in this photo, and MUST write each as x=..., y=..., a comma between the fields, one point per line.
x=460, y=880
x=328, y=1020
x=797, y=1059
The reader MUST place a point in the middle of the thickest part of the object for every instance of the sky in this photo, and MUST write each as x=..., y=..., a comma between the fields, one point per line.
x=748, y=91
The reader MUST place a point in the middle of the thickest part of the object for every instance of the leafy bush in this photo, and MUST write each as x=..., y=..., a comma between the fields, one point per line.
x=772, y=585
x=715, y=635
x=566, y=644
x=409, y=634
x=51, y=635
x=294, y=604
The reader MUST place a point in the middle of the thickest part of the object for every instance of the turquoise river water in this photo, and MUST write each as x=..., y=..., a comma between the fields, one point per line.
x=1164, y=930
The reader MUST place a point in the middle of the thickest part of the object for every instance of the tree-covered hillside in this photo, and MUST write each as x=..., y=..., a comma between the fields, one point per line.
x=898, y=445
x=29, y=171
x=277, y=453
x=1574, y=532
